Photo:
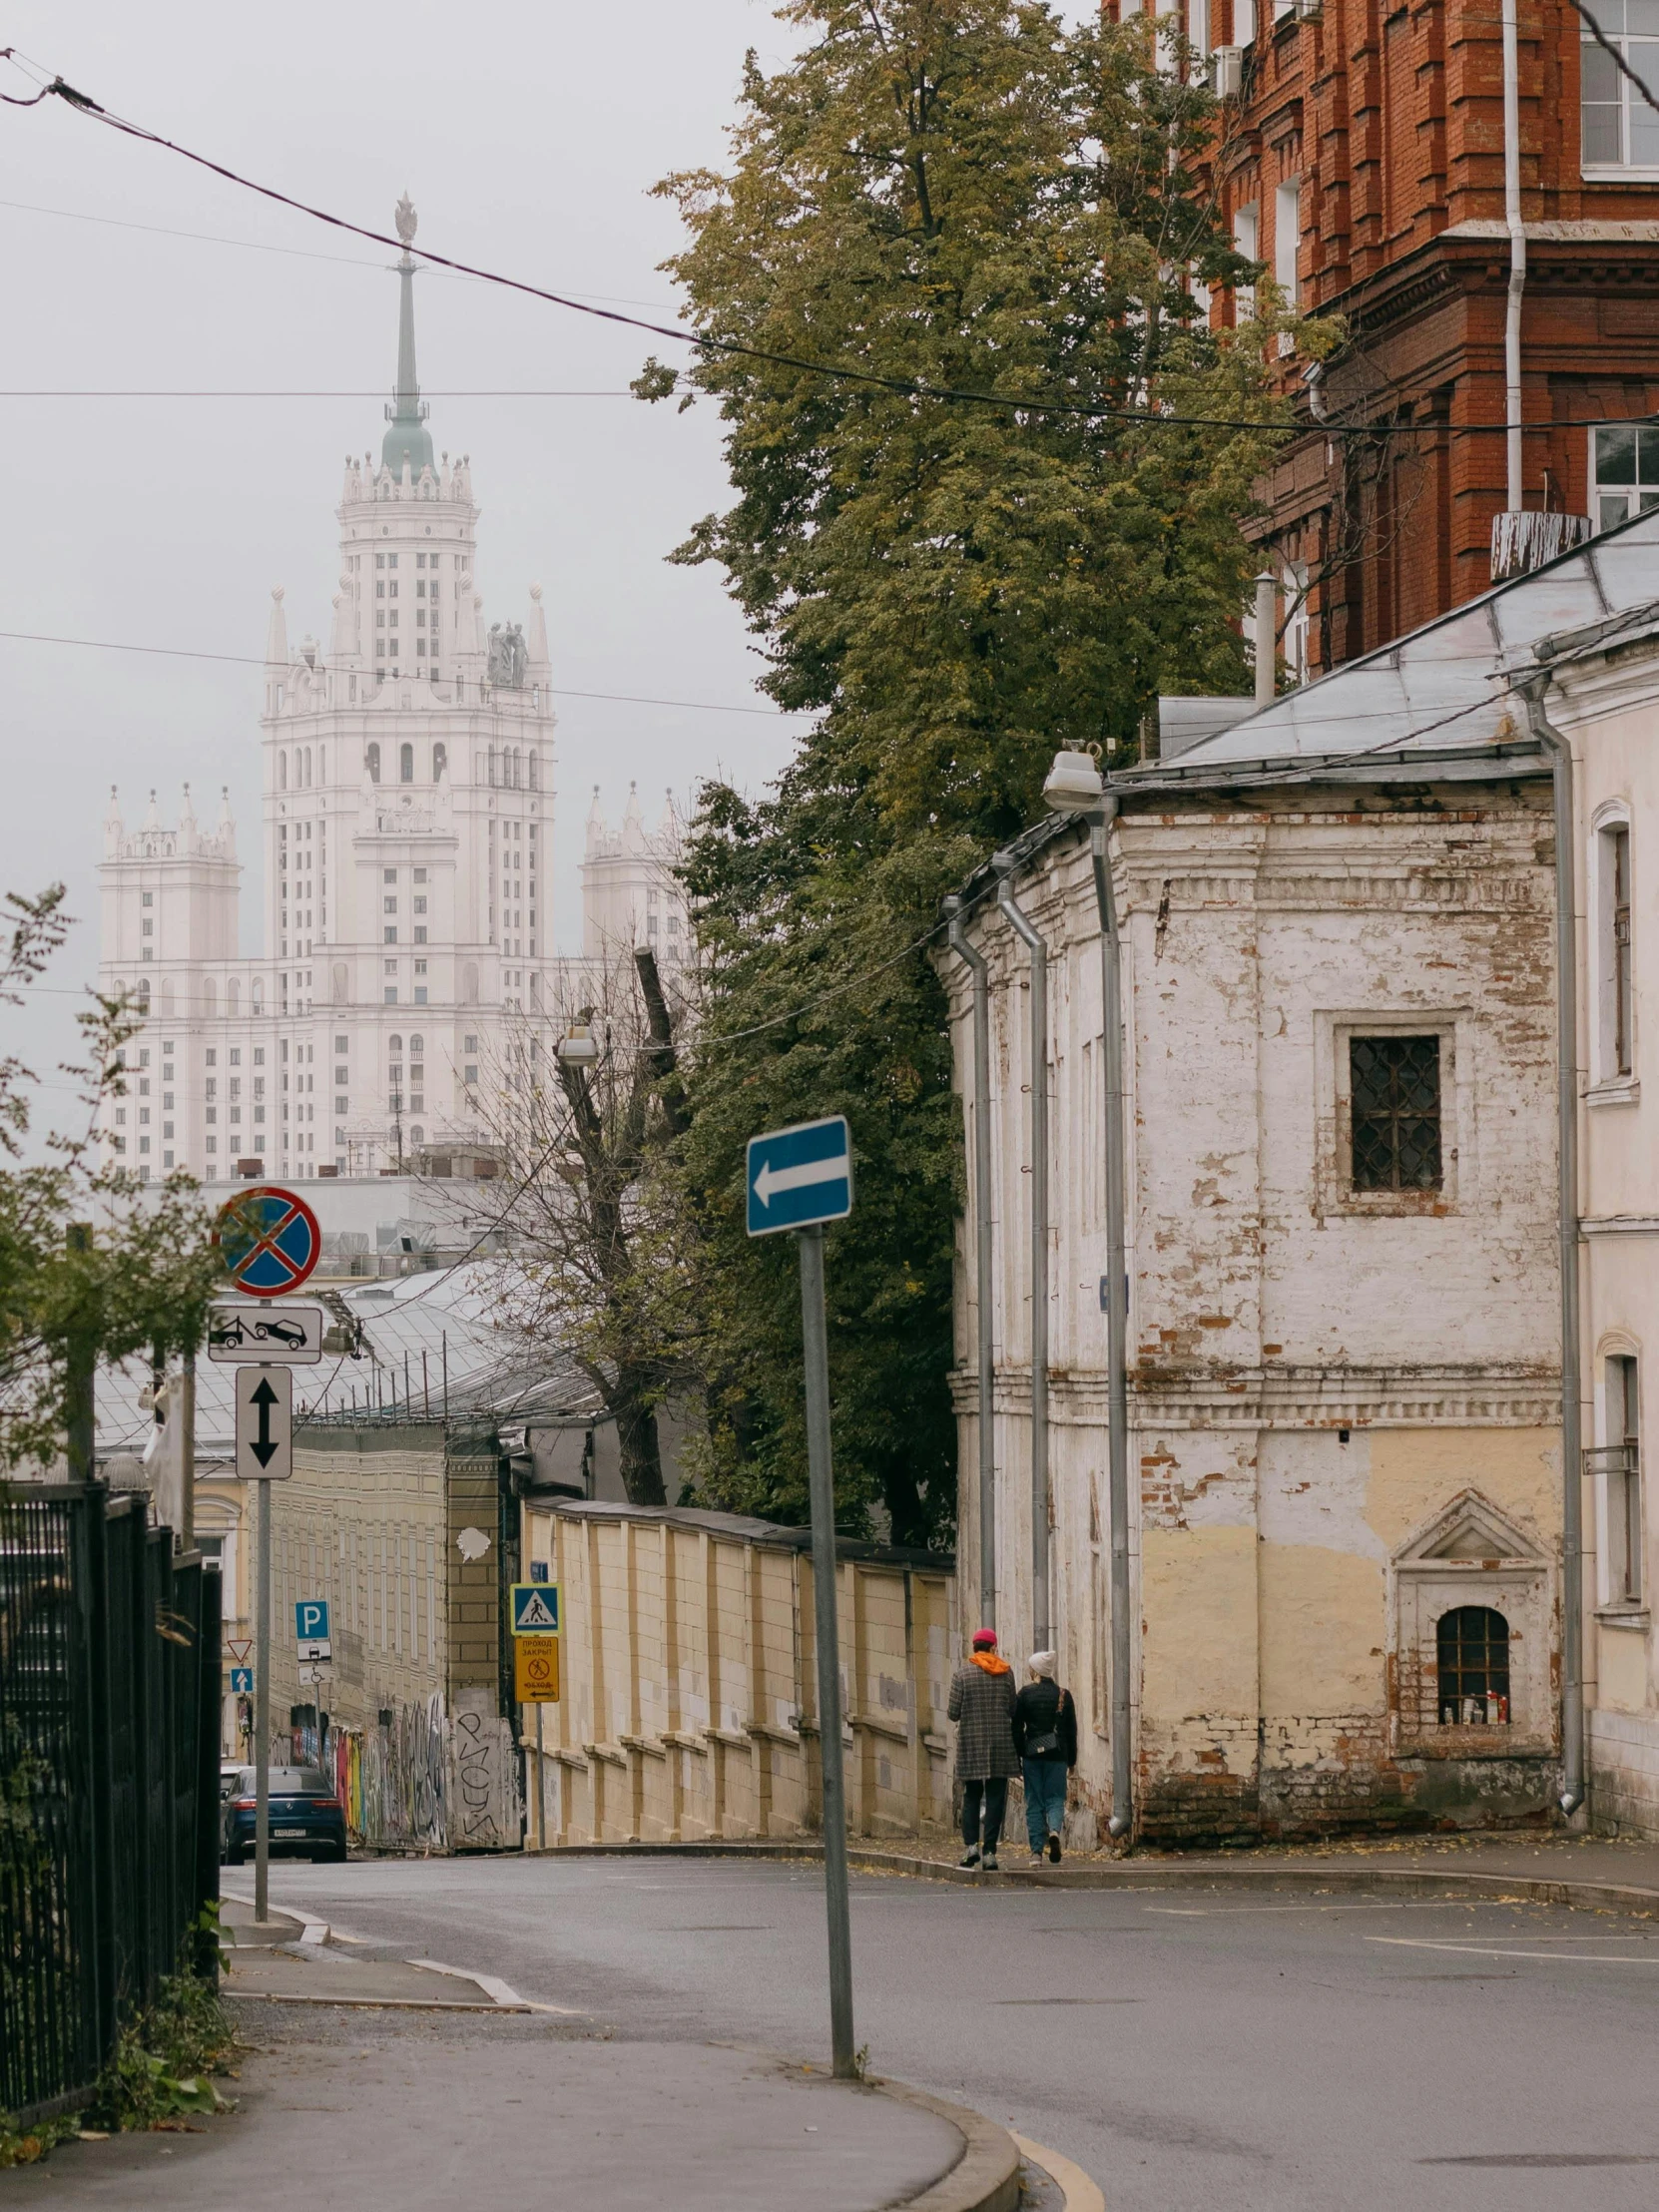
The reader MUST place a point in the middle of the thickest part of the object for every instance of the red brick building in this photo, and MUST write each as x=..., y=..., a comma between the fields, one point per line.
x=1363, y=161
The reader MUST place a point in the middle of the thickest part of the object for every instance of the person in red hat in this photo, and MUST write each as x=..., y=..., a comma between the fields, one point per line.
x=982, y=1706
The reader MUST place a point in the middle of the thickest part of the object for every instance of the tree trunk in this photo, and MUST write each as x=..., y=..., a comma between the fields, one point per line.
x=636, y=1428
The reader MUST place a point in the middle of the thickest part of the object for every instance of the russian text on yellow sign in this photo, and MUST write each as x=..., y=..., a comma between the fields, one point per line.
x=536, y=1670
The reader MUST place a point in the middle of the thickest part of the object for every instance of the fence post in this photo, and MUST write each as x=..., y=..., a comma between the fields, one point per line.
x=207, y=1775
x=95, y=1616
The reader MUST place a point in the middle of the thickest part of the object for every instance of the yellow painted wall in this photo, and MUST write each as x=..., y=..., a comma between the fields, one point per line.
x=1199, y=1599
x=1416, y=1471
x=1323, y=1632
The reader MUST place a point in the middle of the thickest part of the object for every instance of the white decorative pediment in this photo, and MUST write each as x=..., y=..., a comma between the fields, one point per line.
x=1471, y=1528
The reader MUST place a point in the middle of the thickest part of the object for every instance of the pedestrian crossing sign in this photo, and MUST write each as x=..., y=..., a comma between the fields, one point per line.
x=535, y=1608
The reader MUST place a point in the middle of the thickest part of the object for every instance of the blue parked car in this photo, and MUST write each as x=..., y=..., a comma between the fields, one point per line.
x=308, y=1820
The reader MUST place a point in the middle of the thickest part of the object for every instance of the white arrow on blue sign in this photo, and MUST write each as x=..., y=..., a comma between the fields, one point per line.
x=800, y=1176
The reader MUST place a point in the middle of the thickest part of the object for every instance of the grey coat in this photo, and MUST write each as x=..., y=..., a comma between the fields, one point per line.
x=982, y=1705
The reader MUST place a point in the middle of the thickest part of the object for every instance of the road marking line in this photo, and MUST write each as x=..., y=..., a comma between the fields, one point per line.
x=1081, y=2194
x=1485, y=1950
x=498, y=1990
x=1377, y=1905
x=310, y=1930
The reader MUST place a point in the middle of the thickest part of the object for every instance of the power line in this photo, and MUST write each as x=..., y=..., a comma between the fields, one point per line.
x=739, y=349
x=620, y=391
x=248, y=660
x=730, y=349
x=251, y=245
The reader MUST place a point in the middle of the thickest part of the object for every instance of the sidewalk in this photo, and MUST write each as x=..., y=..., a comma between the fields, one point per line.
x=1552, y=1866
x=393, y=2086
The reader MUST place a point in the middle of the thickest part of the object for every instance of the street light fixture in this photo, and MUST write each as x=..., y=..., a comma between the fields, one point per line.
x=578, y=1047
x=1076, y=786
x=1074, y=783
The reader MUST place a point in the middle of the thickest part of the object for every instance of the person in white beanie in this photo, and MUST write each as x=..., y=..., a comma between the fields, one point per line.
x=1045, y=1736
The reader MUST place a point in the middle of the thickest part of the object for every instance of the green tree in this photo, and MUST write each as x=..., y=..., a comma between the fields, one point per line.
x=962, y=196
x=141, y=1278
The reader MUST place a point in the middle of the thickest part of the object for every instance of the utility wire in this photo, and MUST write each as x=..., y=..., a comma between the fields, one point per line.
x=730, y=349
x=617, y=392
x=257, y=246
x=735, y=348
x=249, y=659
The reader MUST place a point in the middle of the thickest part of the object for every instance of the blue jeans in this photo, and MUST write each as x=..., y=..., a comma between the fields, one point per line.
x=1045, y=1799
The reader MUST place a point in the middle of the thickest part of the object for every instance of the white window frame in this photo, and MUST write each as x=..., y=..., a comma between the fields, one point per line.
x=1645, y=61
x=1632, y=494
x=1247, y=242
x=1620, y=1505
x=1611, y=1084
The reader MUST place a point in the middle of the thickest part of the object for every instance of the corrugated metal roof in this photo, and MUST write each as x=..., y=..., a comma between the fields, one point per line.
x=1447, y=685
x=412, y=1329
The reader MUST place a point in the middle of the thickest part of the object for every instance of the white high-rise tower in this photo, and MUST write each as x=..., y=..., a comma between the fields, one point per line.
x=409, y=813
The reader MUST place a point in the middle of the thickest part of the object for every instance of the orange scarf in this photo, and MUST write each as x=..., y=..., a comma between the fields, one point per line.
x=989, y=1661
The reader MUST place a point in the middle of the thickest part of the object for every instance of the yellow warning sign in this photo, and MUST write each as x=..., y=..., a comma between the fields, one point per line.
x=536, y=1670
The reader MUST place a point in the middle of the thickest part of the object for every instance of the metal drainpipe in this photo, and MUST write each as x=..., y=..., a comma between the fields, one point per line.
x=1034, y=945
x=1122, y=1821
x=1517, y=253
x=983, y=1255
x=1566, y=1150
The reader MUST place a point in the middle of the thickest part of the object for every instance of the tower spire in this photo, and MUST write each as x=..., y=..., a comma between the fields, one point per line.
x=407, y=441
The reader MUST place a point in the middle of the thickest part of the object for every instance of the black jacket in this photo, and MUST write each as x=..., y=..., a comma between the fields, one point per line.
x=1035, y=1716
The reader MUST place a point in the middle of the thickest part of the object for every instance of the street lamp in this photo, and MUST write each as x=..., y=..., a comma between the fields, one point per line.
x=1075, y=785
x=578, y=1047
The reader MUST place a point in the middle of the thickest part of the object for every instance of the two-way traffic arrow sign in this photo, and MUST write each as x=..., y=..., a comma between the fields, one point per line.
x=264, y=1423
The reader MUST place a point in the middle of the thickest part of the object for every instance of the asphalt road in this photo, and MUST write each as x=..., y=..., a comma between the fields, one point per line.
x=1188, y=2048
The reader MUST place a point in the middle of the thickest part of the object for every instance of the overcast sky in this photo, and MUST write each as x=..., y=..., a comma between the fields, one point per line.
x=528, y=138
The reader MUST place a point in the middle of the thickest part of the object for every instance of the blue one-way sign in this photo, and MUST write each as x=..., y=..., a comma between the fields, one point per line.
x=800, y=1176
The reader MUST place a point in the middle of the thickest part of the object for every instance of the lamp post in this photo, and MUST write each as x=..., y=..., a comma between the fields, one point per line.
x=1075, y=786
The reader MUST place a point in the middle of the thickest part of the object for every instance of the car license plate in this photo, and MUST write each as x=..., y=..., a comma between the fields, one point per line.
x=288, y=1832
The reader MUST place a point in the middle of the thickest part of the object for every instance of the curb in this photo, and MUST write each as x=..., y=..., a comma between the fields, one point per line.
x=1346, y=1880
x=1081, y=2194
x=987, y=2176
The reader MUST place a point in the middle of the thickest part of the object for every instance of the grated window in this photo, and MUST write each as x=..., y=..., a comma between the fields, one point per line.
x=1395, y=1094
x=1472, y=1653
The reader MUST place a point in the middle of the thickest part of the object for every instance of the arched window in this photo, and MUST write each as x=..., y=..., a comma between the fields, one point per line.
x=394, y=1045
x=144, y=992
x=282, y=771
x=323, y=761
x=535, y=782
x=233, y=996
x=257, y=997
x=1472, y=1649
x=342, y=984
x=491, y=759
x=417, y=1046
x=372, y=760
x=418, y=1135
x=440, y=760
x=308, y=767
x=210, y=997
x=405, y=764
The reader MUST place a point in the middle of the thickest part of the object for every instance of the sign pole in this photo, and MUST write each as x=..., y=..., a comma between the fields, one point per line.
x=262, y=1715
x=822, y=1479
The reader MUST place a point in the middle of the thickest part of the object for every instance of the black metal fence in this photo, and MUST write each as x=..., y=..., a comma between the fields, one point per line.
x=109, y=1779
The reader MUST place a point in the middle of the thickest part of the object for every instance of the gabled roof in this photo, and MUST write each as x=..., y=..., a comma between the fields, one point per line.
x=1447, y=686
